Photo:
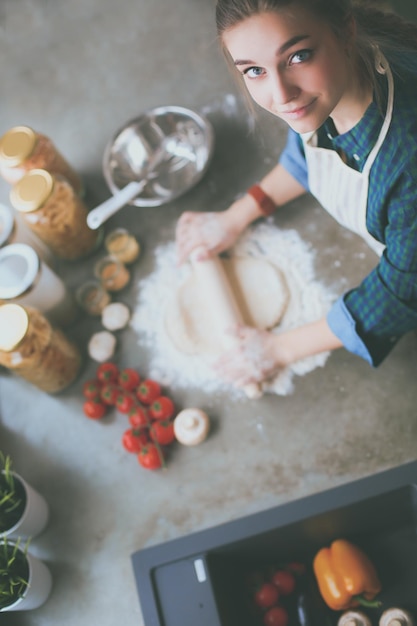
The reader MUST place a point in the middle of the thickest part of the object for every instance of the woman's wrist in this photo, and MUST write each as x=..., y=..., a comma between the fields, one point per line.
x=265, y=203
x=243, y=212
x=304, y=341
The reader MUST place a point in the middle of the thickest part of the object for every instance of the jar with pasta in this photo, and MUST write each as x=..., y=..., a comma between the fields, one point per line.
x=23, y=149
x=55, y=213
x=31, y=348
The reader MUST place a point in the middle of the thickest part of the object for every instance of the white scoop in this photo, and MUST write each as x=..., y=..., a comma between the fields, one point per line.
x=109, y=207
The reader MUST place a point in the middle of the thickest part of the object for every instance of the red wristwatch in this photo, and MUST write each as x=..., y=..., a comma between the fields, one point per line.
x=266, y=204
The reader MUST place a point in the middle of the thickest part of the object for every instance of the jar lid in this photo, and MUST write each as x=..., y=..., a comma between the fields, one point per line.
x=6, y=224
x=16, y=145
x=19, y=267
x=14, y=323
x=32, y=191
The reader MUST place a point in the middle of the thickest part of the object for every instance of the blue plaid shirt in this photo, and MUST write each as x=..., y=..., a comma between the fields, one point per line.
x=370, y=319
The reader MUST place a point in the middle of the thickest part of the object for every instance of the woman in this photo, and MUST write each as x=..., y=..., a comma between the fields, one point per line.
x=342, y=76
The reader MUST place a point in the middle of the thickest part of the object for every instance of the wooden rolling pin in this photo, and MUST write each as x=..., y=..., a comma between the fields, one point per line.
x=222, y=302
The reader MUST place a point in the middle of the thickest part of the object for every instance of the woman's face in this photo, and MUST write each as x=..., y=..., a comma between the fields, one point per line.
x=293, y=65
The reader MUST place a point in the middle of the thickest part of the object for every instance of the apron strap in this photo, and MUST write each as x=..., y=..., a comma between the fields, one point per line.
x=382, y=67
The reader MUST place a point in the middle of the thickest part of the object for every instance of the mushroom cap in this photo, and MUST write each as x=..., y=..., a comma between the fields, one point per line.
x=396, y=617
x=101, y=346
x=115, y=316
x=354, y=618
x=191, y=426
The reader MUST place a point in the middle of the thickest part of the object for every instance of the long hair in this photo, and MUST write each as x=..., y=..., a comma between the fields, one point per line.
x=375, y=26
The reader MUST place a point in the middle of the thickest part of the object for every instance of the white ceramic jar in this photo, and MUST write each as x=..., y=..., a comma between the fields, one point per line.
x=27, y=280
x=13, y=230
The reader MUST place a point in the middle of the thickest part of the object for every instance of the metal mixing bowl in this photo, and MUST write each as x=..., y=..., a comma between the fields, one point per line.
x=169, y=146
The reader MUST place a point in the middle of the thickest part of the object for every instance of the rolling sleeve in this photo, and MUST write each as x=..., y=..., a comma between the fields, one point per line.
x=370, y=319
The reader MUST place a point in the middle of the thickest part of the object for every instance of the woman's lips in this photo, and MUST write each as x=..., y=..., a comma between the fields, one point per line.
x=295, y=114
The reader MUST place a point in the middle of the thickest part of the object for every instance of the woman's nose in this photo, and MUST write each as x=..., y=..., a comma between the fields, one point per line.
x=282, y=91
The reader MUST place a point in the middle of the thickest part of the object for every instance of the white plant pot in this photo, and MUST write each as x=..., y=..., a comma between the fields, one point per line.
x=35, y=515
x=38, y=590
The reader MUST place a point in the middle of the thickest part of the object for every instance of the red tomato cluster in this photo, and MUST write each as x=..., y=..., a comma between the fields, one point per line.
x=148, y=410
x=271, y=591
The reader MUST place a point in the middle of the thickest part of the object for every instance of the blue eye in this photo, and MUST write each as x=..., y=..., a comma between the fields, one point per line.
x=301, y=56
x=253, y=72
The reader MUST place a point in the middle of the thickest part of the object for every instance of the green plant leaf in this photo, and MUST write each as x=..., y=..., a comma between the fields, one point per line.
x=14, y=570
x=12, y=495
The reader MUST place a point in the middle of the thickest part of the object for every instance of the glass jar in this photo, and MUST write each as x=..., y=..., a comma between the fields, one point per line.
x=112, y=274
x=31, y=348
x=27, y=280
x=23, y=149
x=55, y=213
x=13, y=230
x=92, y=297
x=121, y=244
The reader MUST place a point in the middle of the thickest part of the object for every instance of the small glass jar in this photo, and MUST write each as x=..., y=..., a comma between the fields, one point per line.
x=92, y=297
x=13, y=230
x=121, y=244
x=23, y=149
x=31, y=348
x=112, y=274
x=26, y=280
x=55, y=213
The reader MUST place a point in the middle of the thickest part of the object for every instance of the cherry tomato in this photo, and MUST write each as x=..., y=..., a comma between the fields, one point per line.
x=109, y=393
x=162, y=432
x=148, y=391
x=266, y=596
x=138, y=416
x=94, y=409
x=124, y=402
x=276, y=616
x=129, y=379
x=162, y=408
x=284, y=582
x=107, y=372
x=133, y=440
x=151, y=457
x=91, y=389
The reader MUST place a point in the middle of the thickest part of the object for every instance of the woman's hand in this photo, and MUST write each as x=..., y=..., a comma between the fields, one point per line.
x=259, y=354
x=256, y=357
x=210, y=231
x=214, y=232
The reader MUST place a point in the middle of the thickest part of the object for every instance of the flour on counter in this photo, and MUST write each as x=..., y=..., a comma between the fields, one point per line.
x=309, y=301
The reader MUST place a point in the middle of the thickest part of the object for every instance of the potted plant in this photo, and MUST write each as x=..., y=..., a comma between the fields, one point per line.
x=23, y=511
x=25, y=581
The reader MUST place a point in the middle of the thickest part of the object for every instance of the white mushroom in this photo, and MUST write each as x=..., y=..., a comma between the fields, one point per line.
x=191, y=426
x=396, y=617
x=354, y=618
x=115, y=316
x=102, y=346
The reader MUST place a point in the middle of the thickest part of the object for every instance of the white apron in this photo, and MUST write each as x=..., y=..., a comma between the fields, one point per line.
x=341, y=190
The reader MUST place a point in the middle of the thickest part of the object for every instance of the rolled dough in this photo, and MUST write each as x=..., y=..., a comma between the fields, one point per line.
x=259, y=288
